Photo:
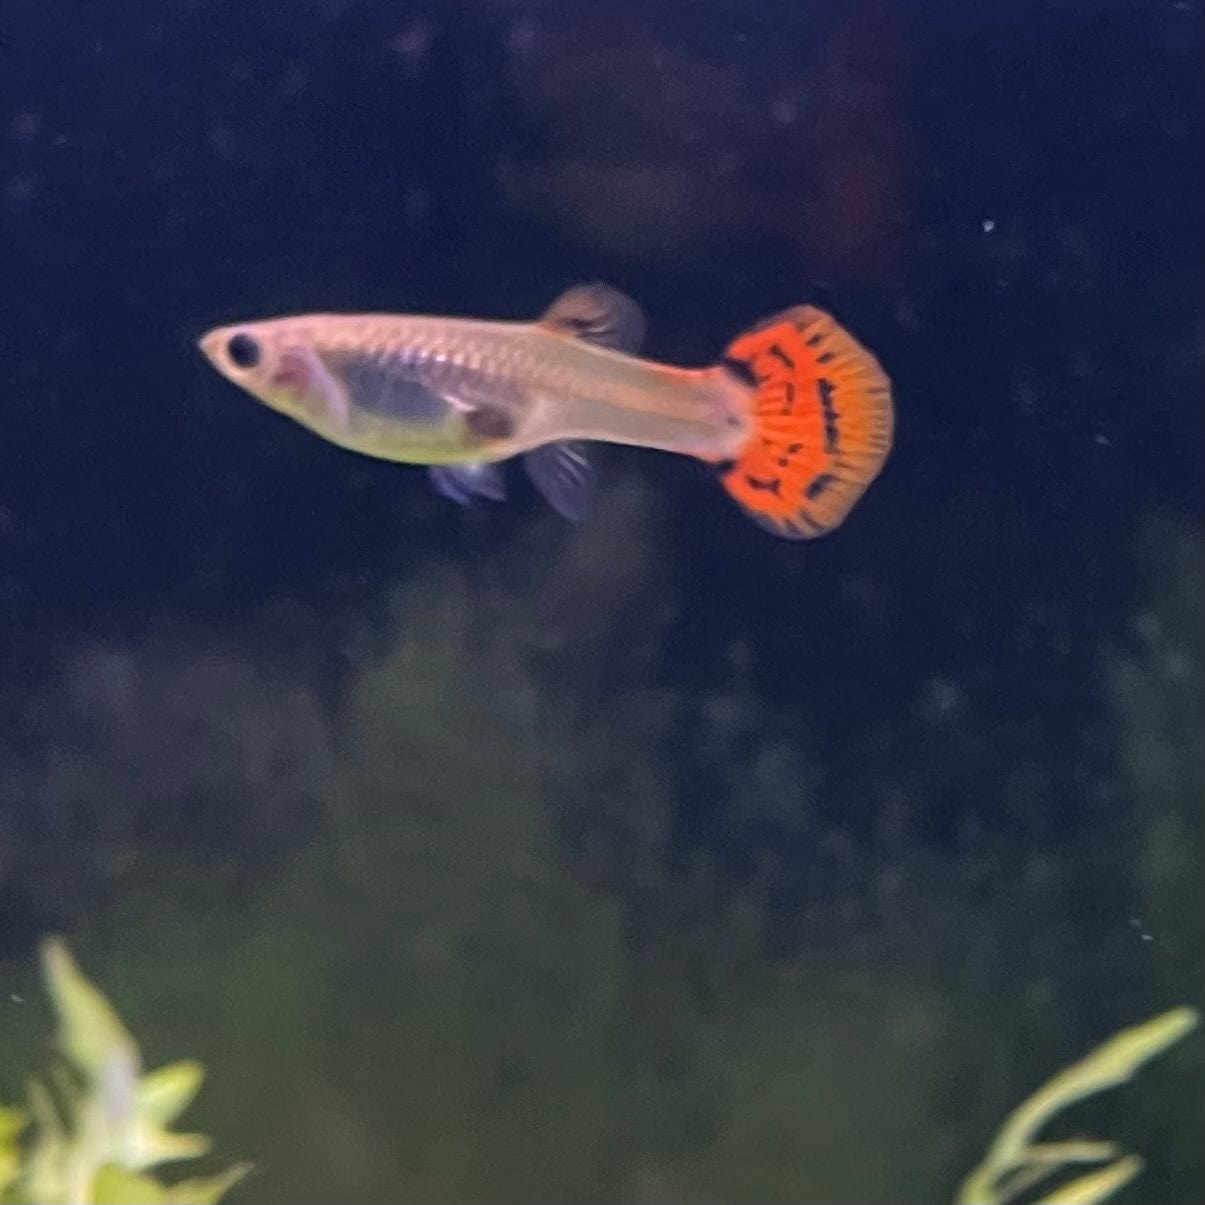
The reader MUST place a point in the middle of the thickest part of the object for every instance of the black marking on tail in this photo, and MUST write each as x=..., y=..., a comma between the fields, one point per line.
x=741, y=370
x=832, y=432
x=772, y=486
x=818, y=485
x=777, y=351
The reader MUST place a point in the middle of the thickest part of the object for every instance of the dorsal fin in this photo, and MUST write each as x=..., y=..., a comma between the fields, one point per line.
x=599, y=314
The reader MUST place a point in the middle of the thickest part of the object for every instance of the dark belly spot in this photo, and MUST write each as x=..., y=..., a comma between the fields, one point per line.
x=490, y=422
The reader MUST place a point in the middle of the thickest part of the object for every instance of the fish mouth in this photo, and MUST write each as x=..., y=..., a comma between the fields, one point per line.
x=210, y=344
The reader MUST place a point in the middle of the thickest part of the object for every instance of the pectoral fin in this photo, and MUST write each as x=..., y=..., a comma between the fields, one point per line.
x=463, y=482
x=561, y=472
x=599, y=314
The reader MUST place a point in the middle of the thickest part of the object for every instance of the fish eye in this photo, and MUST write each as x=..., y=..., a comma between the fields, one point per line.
x=243, y=350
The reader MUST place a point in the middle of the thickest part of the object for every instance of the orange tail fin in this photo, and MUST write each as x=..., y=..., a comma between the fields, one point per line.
x=822, y=423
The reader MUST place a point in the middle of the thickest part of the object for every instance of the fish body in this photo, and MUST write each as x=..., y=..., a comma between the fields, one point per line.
x=462, y=395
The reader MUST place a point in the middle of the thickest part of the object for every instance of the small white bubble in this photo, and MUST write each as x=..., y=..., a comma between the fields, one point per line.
x=293, y=81
x=523, y=37
x=417, y=206
x=26, y=126
x=1136, y=923
x=1146, y=627
x=1080, y=365
x=20, y=190
x=14, y=998
x=987, y=225
x=941, y=699
x=785, y=111
x=412, y=44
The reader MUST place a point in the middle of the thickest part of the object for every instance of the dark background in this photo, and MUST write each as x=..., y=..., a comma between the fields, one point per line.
x=1004, y=204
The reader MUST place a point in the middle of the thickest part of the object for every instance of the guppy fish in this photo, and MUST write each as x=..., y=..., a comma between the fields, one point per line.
x=797, y=415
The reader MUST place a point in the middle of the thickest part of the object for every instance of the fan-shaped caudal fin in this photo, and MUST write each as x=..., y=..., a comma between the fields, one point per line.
x=822, y=423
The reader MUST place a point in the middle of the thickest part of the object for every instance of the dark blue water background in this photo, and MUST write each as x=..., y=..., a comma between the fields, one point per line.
x=1004, y=203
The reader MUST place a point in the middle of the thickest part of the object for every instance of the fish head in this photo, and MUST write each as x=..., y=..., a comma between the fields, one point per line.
x=275, y=363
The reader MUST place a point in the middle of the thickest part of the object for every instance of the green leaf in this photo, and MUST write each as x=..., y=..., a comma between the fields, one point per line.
x=12, y=1122
x=90, y=1032
x=147, y=1145
x=163, y=1094
x=207, y=1190
x=1015, y=1161
x=114, y=1185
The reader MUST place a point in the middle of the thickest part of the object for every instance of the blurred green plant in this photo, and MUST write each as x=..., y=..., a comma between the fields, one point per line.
x=441, y=910
x=1017, y=1162
x=95, y=1136
x=95, y=1125
x=1157, y=689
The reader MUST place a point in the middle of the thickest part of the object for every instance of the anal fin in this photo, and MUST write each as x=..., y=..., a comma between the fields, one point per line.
x=463, y=482
x=561, y=472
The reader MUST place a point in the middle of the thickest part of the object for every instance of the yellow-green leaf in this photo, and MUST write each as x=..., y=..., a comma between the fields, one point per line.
x=90, y=1032
x=115, y=1186
x=163, y=1094
x=1096, y=1186
x=207, y=1190
x=149, y=1145
x=12, y=1122
x=1016, y=1161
